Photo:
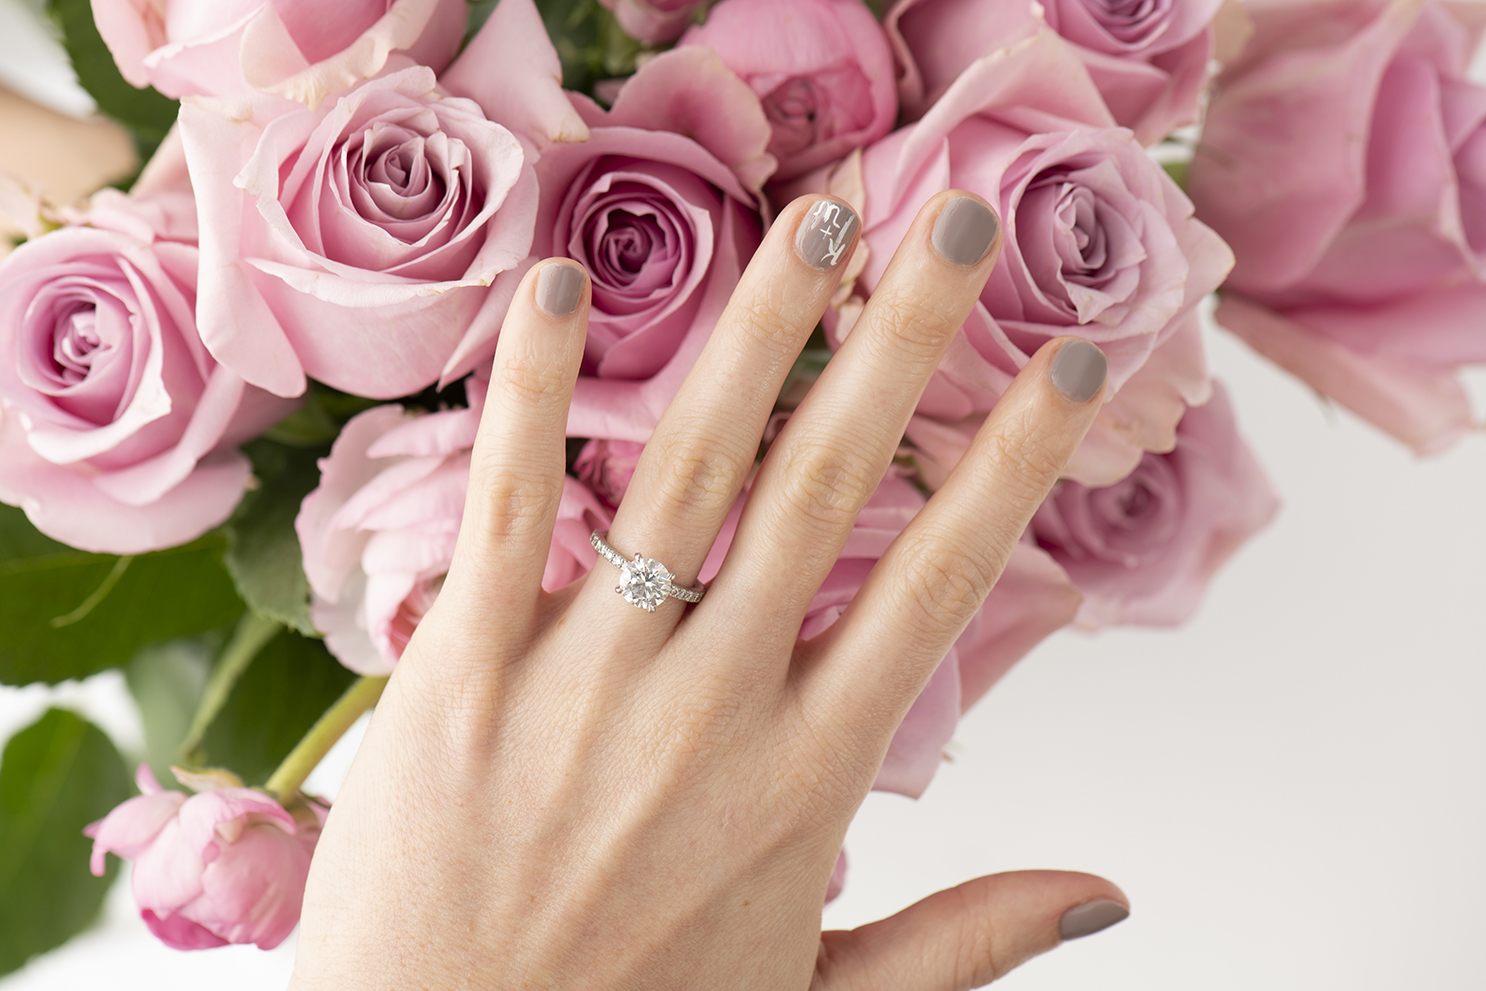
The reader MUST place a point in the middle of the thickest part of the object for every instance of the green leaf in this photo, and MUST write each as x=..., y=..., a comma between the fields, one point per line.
x=67, y=614
x=145, y=112
x=291, y=682
x=263, y=553
x=166, y=680
x=1178, y=171
x=57, y=776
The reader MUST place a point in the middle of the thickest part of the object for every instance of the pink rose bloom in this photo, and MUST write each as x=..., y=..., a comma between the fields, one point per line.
x=661, y=206
x=653, y=22
x=1144, y=549
x=1099, y=243
x=118, y=431
x=1032, y=599
x=360, y=244
x=607, y=466
x=1147, y=57
x=822, y=69
x=301, y=49
x=378, y=533
x=1344, y=158
x=226, y=865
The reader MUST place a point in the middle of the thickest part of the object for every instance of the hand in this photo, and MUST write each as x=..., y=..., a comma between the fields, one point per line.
x=563, y=791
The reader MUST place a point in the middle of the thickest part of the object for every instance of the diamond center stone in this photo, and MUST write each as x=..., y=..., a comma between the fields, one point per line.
x=643, y=583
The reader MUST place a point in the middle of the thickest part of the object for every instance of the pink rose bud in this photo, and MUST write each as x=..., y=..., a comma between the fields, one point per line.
x=1344, y=158
x=822, y=69
x=653, y=21
x=1144, y=549
x=302, y=49
x=226, y=865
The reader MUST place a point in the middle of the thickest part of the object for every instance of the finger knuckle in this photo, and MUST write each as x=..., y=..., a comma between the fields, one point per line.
x=697, y=475
x=1025, y=466
x=945, y=582
x=513, y=502
x=914, y=327
x=530, y=382
x=760, y=324
x=826, y=484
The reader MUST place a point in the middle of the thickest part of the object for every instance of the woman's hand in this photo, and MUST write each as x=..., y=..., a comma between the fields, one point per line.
x=564, y=791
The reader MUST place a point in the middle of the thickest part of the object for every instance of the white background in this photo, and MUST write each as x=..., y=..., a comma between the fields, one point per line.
x=1291, y=788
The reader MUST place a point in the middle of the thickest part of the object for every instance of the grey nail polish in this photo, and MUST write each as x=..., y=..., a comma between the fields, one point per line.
x=1078, y=370
x=1090, y=917
x=825, y=232
x=559, y=287
x=965, y=231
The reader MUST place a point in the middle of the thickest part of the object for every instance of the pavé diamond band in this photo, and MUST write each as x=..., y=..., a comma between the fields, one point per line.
x=644, y=583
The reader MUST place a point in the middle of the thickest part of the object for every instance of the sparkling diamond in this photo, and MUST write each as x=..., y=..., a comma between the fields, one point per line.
x=643, y=583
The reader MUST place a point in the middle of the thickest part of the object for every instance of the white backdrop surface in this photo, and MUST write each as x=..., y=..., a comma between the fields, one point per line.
x=1291, y=788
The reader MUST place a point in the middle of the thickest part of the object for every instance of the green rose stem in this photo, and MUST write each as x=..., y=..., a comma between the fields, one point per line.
x=328, y=729
x=252, y=634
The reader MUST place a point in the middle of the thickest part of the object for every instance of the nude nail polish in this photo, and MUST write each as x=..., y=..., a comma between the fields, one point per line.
x=965, y=231
x=1091, y=917
x=1078, y=370
x=559, y=287
x=825, y=233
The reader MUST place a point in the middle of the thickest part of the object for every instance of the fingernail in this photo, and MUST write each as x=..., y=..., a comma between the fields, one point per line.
x=965, y=230
x=559, y=287
x=1090, y=917
x=825, y=233
x=1078, y=370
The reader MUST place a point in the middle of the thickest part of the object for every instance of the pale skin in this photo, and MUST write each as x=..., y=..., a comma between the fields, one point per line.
x=564, y=791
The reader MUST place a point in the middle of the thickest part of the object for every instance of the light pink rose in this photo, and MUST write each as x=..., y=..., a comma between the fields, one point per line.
x=226, y=865
x=661, y=206
x=1032, y=599
x=1344, y=158
x=1144, y=549
x=378, y=533
x=360, y=244
x=1099, y=243
x=1147, y=57
x=118, y=431
x=822, y=69
x=301, y=49
x=607, y=466
x=653, y=21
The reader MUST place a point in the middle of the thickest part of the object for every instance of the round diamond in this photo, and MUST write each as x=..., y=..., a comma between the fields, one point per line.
x=643, y=583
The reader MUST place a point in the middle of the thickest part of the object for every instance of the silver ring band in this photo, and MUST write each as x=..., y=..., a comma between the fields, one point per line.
x=644, y=583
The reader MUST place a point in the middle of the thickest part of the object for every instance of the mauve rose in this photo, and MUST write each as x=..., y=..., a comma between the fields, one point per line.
x=118, y=432
x=1344, y=158
x=1144, y=549
x=360, y=244
x=226, y=865
x=661, y=206
x=653, y=21
x=821, y=68
x=1099, y=242
x=1032, y=599
x=1148, y=57
x=301, y=49
x=607, y=466
x=378, y=533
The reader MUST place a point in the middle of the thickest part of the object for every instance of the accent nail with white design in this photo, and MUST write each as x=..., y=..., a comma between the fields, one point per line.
x=825, y=233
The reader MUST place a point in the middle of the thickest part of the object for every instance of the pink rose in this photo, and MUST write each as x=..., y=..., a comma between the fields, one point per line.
x=822, y=69
x=119, y=431
x=1032, y=599
x=607, y=466
x=226, y=865
x=360, y=244
x=653, y=21
x=661, y=206
x=301, y=49
x=1344, y=158
x=1144, y=549
x=1148, y=59
x=378, y=533
x=1099, y=242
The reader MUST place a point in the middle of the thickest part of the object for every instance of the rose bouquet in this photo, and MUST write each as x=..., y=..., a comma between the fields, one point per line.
x=238, y=394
